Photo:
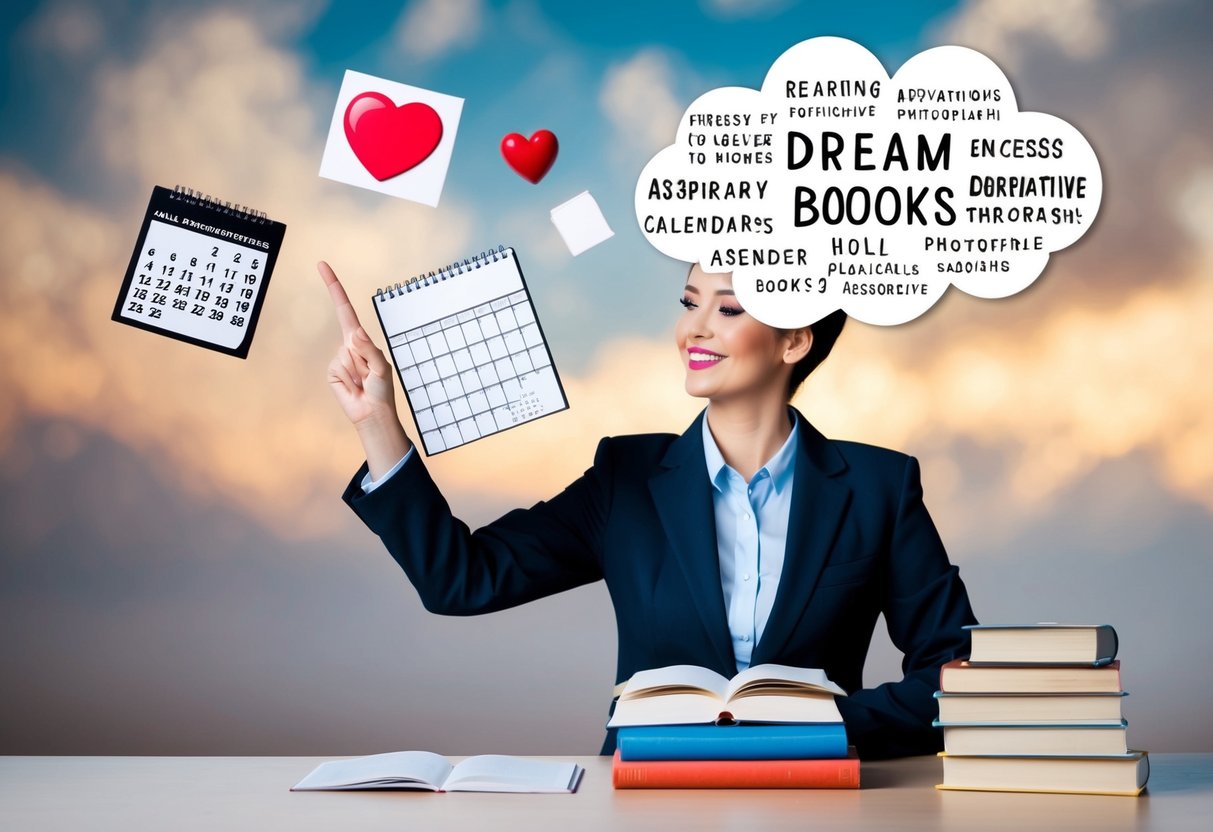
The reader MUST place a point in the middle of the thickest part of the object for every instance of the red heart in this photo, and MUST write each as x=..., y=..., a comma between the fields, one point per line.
x=387, y=139
x=530, y=159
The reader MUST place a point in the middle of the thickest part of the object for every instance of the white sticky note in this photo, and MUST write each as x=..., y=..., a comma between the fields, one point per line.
x=581, y=223
x=384, y=142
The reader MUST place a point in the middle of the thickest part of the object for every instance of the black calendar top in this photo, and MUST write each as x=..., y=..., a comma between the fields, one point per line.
x=200, y=271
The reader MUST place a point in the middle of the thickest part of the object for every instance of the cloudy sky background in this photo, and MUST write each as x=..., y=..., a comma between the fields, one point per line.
x=177, y=573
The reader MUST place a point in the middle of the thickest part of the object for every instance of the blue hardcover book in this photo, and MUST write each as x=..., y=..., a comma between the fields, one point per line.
x=733, y=742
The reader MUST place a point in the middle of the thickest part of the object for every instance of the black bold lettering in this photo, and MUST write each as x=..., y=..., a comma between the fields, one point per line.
x=796, y=162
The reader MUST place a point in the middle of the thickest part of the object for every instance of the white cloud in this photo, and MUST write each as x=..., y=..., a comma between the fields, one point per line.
x=1079, y=28
x=526, y=22
x=639, y=101
x=431, y=28
x=1193, y=207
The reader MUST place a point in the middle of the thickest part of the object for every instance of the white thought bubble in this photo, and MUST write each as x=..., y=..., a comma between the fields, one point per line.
x=838, y=187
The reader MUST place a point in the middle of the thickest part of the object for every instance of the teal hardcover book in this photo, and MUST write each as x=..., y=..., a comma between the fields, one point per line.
x=733, y=742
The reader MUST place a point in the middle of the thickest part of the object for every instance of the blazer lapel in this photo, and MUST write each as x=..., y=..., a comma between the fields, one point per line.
x=818, y=505
x=683, y=497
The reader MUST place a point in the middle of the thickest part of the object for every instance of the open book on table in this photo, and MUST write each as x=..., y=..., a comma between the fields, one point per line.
x=432, y=772
x=687, y=694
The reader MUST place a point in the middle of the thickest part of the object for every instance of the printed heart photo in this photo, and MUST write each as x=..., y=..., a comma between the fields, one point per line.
x=391, y=137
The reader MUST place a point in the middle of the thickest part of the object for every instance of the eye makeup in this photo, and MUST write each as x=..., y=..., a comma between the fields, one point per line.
x=727, y=311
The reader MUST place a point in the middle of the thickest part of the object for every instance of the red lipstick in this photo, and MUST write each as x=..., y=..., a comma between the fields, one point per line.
x=701, y=359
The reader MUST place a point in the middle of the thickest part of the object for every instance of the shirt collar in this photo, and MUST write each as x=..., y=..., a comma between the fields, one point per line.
x=780, y=467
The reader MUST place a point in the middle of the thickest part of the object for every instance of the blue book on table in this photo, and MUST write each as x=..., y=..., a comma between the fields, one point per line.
x=733, y=742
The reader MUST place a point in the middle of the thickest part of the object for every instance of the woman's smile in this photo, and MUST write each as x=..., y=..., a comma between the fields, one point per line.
x=714, y=332
x=701, y=359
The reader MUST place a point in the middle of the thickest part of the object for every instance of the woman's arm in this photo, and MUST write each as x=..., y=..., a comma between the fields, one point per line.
x=527, y=554
x=925, y=607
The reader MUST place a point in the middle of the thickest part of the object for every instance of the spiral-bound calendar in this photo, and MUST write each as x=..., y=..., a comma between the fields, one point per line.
x=469, y=350
x=199, y=270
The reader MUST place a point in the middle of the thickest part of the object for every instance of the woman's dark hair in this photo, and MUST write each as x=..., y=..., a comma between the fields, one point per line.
x=825, y=333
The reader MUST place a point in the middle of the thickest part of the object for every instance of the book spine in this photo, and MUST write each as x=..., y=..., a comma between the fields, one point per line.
x=759, y=742
x=736, y=774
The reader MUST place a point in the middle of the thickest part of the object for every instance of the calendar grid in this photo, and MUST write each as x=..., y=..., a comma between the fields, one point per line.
x=480, y=370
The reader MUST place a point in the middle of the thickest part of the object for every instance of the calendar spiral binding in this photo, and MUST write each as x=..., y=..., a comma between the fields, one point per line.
x=207, y=201
x=445, y=273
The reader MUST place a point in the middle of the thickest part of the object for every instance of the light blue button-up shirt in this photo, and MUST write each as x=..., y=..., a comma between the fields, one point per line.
x=751, y=537
x=369, y=485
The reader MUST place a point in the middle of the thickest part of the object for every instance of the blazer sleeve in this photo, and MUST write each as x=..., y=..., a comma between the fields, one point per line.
x=526, y=554
x=925, y=607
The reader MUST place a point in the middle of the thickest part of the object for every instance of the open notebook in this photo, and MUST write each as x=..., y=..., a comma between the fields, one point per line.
x=427, y=771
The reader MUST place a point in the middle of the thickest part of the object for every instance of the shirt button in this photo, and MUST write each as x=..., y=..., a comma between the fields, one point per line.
x=745, y=638
x=747, y=515
x=746, y=576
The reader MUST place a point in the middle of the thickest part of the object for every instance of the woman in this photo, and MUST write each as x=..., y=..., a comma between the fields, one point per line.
x=751, y=538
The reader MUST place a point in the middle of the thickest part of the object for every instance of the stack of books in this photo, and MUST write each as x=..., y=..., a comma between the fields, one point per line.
x=1037, y=707
x=770, y=727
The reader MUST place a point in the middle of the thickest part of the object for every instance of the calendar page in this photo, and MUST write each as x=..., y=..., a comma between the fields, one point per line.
x=199, y=272
x=470, y=352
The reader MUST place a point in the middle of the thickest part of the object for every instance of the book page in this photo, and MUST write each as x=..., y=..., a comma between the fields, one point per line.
x=767, y=679
x=667, y=709
x=500, y=773
x=679, y=678
x=815, y=708
x=396, y=770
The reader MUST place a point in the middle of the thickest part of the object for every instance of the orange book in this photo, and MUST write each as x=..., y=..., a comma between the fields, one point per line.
x=737, y=774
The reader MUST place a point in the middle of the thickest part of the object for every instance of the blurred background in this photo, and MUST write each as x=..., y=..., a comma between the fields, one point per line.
x=177, y=572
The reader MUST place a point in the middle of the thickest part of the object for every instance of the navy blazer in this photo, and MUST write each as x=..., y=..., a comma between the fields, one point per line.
x=860, y=543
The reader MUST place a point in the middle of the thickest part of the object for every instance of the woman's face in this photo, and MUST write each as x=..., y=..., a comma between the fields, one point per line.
x=725, y=352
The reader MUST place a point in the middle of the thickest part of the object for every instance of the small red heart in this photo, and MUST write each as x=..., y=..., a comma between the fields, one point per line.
x=530, y=159
x=387, y=139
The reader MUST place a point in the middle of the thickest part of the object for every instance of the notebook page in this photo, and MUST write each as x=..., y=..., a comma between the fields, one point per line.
x=394, y=769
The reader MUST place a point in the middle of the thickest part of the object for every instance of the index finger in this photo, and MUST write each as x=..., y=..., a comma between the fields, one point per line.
x=346, y=316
